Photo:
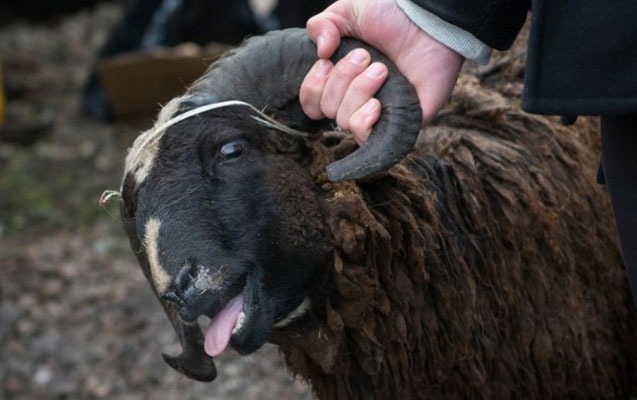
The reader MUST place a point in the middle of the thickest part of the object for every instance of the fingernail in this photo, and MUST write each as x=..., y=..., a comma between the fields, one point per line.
x=376, y=70
x=358, y=56
x=370, y=106
x=320, y=42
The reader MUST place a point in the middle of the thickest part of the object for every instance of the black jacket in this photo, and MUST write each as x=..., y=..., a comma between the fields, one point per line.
x=582, y=54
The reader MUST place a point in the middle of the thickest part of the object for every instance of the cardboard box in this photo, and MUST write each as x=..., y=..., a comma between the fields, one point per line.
x=141, y=82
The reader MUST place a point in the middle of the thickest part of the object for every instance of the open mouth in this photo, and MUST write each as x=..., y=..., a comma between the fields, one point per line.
x=227, y=323
x=246, y=321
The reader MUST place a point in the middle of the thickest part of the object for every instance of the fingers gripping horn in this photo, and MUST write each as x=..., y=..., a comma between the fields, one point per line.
x=267, y=72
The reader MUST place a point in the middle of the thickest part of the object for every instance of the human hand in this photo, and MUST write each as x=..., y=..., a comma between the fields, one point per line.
x=344, y=92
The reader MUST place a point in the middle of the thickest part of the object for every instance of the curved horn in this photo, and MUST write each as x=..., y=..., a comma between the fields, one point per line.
x=193, y=361
x=267, y=71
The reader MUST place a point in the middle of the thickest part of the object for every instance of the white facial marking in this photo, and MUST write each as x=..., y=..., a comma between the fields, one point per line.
x=296, y=313
x=142, y=154
x=160, y=277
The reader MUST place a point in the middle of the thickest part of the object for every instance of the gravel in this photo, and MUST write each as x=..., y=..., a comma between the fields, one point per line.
x=77, y=318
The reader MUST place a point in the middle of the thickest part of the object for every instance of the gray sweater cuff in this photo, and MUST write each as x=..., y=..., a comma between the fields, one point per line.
x=457, y=39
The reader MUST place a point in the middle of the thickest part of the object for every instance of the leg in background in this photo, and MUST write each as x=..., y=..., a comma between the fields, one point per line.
x=619, y=159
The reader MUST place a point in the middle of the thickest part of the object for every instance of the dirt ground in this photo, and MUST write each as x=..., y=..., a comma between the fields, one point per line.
x=77, y=318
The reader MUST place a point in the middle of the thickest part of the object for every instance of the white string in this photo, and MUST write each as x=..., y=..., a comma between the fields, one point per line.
x=263, y=118
x=152, y=136
x=108, y=194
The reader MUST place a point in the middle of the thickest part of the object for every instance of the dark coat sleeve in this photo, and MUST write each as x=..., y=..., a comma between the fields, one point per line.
x=494, y=22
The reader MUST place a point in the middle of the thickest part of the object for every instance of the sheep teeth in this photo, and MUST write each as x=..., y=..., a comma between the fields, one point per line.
x=296, y=313
x=239, y=324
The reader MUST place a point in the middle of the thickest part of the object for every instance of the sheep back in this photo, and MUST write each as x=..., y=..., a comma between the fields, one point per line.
x=485, y=265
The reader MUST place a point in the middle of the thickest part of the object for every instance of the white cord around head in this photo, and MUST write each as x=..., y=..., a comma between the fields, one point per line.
x=141, y=154
x=263, y=118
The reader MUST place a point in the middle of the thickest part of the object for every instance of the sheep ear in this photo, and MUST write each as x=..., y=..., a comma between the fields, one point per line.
x=267, y=71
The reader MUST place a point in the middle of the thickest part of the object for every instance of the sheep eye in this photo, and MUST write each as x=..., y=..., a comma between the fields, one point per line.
x=231, y=150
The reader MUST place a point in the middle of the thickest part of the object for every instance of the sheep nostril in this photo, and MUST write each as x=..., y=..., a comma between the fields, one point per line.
x=182, y=292
x=185, y=278
x=192, y=287
x=183, y=285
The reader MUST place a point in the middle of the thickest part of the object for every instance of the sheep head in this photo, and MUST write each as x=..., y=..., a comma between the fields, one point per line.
x=221, y=213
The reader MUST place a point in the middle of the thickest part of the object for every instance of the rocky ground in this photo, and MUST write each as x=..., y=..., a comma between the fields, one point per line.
x=77, y=318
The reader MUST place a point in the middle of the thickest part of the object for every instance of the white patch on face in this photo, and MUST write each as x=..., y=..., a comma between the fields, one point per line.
x=160, y=277
x=296, y=313
x=141, y=156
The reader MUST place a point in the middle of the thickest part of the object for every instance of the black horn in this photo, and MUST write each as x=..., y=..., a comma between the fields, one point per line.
x=267, y=71
x=193, y=361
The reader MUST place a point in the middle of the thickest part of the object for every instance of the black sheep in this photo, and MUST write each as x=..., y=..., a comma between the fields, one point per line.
x=482, y=265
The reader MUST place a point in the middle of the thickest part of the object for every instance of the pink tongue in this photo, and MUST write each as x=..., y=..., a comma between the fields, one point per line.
x=220, y=330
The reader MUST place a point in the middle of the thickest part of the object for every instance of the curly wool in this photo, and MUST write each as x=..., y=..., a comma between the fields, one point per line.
x=483, y=266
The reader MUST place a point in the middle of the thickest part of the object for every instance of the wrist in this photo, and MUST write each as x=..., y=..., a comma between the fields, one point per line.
x=453, y=37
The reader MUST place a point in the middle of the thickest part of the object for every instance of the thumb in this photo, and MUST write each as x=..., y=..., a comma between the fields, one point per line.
x=326, y=29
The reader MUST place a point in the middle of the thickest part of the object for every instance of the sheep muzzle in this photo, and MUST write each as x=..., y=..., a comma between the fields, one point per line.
x=190, y=287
